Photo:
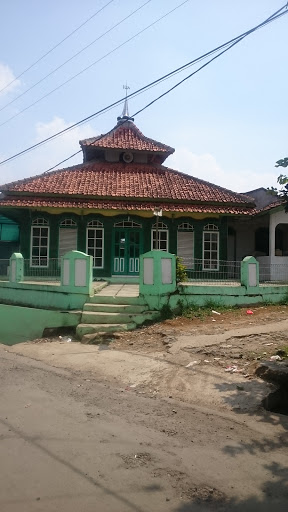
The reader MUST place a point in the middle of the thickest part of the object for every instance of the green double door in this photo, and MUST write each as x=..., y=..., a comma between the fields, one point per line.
x=127, y=247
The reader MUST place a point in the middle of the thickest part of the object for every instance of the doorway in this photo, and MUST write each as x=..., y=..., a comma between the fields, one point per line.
x=127, y=247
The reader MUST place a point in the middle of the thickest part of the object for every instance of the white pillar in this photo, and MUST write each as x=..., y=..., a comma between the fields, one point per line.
x=272, y=225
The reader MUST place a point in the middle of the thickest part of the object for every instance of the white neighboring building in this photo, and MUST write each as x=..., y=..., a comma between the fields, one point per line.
x=264, y=236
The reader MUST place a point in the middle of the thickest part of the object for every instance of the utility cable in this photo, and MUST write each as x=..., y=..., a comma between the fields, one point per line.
x=191, y=74
x=166, y=92
x=93, y=63
x=234, y=41
x=57, y=45
x=74, y=56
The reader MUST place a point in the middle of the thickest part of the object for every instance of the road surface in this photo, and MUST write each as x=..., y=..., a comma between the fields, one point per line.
x=72, y=440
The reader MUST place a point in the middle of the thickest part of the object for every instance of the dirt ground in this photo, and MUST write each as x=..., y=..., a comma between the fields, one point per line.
x=209, y=359
x=166, y=417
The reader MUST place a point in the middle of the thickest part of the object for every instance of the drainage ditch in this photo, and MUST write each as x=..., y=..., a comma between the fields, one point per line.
x=277, y=374
x=277, y=401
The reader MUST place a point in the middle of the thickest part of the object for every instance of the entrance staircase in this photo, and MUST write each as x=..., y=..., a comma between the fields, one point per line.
x=115, y=308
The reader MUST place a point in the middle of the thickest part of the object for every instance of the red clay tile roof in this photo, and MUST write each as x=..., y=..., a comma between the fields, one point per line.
x=107, y=204
x=126, y=135
x=270, y=206
x=126, y=181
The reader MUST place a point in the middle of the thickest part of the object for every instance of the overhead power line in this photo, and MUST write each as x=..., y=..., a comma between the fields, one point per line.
x=233, y=43
x=57, y=45
x=95, y=62
x=74, y=56
x=227, y=46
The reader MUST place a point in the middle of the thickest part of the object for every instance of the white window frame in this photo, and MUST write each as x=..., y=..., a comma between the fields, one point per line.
x=186, y=227
x=127, y=224
x=66, y=224
x=95, y=225
x=210, y=229
x=162, y=228
x=39, y=223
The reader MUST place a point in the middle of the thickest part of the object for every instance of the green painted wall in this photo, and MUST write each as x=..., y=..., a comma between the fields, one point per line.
x=9, y=241
x=42, y=296
x=26, y=217
x=20, y=324
x=223, y=295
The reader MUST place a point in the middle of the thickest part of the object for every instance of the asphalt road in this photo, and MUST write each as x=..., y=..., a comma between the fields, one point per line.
x=72, y=442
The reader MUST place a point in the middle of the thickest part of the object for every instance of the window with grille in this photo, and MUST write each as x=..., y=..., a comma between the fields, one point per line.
x=68, y=223
x=67, y=236
x=95, y=243
x=39, y=251
x=211, y=247
x=127, y=224
x=185, y=244
x=163, y=237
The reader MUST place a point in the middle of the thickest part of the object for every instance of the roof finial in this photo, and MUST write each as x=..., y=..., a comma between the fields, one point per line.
x=125, y=113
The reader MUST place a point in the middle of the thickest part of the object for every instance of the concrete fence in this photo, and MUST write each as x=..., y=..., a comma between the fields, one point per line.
x=158, y=285
x=70, y=293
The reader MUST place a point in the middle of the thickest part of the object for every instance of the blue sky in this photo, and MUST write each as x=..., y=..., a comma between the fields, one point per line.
x=228, y=124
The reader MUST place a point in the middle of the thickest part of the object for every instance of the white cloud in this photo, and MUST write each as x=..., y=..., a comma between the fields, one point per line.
x=6, y=77
x=206, y=167
x=50, y=154
x=62, y=147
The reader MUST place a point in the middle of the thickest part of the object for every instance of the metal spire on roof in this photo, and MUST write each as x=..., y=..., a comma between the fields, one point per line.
x=125, y=112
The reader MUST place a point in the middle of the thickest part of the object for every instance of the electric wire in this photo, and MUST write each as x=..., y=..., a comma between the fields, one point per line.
x=166, y=92
x=231, y=43
x=93, y=64
x=57, y=45
x=74, y=56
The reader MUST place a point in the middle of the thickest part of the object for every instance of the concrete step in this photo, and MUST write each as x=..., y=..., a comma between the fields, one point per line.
x=115, y=308
x=90, y=317
x=110, y=299
x=83, y=329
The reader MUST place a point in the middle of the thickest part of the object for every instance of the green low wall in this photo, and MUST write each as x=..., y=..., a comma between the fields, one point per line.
x=223, y=295
x=18, y=324
x=41, y=295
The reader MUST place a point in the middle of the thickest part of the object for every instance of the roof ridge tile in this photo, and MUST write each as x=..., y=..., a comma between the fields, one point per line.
x=107, y=140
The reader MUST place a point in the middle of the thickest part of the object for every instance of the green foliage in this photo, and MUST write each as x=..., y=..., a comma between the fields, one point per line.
x=284, y=301
x=267, y=302
x=283, y=352
x=184, y=309
x=194, y=311
x=273, y=191
x=282, y=180
x=282, y=163
x=166, y=312
x=181, y=271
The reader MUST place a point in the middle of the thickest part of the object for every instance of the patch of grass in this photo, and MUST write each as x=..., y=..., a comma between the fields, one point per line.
x=268, y=303
x=166, y=312
x=284, y=301
x=283, y=352
x=195, y=311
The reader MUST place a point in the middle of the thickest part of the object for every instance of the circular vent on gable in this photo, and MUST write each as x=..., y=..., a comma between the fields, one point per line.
x=127, y=157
